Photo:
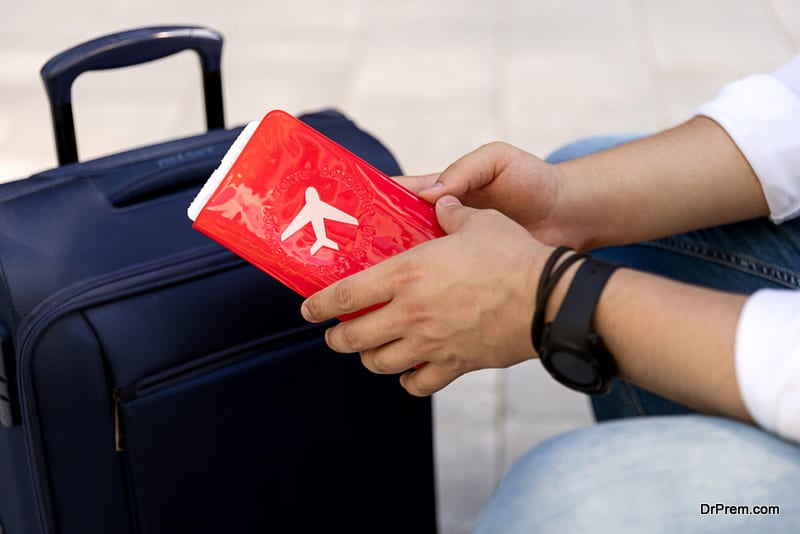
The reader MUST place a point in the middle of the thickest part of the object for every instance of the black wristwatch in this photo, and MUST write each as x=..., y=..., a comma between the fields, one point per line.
x=570, y=351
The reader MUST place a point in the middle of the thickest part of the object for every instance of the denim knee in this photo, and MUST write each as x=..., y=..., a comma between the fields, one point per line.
x=650, y=475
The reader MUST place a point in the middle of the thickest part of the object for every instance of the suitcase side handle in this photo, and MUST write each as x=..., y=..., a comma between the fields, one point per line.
x=125, y=49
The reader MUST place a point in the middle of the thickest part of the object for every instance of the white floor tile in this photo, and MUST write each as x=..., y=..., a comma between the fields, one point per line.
x=532, y=393
x=466, y=416
x=714, y=34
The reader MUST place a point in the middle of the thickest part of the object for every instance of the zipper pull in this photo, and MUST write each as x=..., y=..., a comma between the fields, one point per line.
x=117, y=429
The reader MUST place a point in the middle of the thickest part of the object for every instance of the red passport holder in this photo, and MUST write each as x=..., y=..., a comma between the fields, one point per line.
x=304, y=209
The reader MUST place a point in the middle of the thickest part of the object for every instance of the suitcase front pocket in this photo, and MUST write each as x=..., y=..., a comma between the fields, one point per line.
x=281, y=436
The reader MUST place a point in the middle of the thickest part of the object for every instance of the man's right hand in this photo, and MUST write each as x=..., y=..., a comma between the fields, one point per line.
x=505, y=178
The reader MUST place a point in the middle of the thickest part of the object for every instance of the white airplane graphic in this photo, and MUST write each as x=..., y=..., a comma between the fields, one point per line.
x=316, y=211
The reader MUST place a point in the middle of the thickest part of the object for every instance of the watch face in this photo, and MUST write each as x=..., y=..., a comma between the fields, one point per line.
x=573, y=370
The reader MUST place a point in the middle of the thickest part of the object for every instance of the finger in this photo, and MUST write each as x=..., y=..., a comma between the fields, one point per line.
x=427, y=380
x=361, y=290
x=451, y=214
x=366, y=332
x=415, y=184
x=392, y=358
x=470, y=172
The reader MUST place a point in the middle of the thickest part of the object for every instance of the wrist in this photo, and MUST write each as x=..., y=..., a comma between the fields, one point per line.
x=570, y=348
x=568, y=217
x=558, y=263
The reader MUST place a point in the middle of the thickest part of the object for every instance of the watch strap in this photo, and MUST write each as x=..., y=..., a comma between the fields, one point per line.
x=573, y=321
x=547, y=282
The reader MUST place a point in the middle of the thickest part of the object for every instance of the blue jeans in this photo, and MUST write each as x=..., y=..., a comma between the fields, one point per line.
x=655, y=474
x=652, y=475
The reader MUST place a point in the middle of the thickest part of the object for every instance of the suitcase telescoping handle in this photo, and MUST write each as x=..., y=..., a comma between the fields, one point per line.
x=121, y=50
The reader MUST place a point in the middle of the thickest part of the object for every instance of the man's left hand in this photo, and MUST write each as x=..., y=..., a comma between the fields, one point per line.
x=460, y=303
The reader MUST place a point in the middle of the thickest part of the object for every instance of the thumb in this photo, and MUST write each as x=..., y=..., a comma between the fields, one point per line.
x=451, y=214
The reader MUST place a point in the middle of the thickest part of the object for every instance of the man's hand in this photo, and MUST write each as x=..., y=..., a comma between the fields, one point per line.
x=505, y=178
x=461, y=302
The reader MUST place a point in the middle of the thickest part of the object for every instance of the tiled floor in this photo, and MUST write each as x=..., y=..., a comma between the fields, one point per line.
x=432, y=78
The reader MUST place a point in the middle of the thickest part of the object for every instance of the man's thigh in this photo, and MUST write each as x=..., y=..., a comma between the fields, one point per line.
x=658, y=474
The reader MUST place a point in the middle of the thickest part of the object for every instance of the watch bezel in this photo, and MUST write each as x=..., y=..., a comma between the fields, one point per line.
x=596, y=359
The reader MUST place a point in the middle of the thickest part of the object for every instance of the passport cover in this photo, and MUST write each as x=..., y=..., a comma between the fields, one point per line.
x=304, y=209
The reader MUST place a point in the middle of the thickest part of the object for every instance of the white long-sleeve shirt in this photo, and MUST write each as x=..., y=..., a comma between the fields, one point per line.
x=761, y=113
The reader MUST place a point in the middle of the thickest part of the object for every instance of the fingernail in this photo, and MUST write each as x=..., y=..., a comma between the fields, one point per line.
x=306, y=313
x=448, y=201
x=404, y=378
x=437, y=186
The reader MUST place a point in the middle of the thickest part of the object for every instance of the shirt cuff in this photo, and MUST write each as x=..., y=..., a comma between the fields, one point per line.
x=768, y=360
x=761, y=113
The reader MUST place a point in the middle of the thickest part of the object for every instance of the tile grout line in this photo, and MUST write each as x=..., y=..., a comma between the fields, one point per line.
x=354, y=59
x=500, y=41
x=499, y=427
x=775, y=20
x=500, y=73
x=647, y=52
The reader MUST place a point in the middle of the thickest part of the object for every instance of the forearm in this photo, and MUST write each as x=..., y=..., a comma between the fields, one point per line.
x=673, y=339
x=692, y=176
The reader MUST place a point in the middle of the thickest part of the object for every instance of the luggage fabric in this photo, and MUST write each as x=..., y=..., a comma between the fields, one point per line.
x=152, y=382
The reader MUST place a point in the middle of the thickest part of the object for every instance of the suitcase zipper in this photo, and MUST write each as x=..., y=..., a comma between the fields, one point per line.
x=197, y=368
x=117, y=430
x=184, y=372
x=193, y=264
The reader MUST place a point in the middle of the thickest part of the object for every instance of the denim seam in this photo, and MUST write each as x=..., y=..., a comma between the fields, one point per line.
x=633, y=397
x=738, y=262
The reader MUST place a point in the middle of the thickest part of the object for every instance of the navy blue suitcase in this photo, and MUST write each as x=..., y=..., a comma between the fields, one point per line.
x=152, y=382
